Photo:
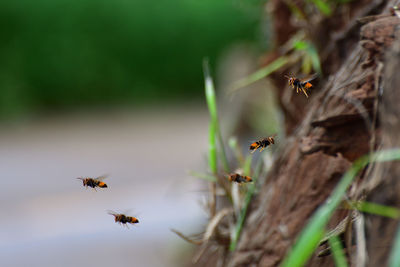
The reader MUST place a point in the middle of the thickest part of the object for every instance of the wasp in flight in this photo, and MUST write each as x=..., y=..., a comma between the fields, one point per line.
x=94, y=182
x=239, y=178
x=123, y=219
x=263, y=143
x=301, y=85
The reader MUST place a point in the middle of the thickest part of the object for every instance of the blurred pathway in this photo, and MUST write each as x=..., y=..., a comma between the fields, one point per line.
x=49, y=219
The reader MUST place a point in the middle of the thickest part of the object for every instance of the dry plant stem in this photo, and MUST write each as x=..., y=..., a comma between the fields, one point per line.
x=211, y=229
x=349, y=231
x=377, y=86
x=187, y=239
x=209, y=233
x=361, y=255
x=213, y=198
x=236, y=199
x=212, y=225
x=201, y=251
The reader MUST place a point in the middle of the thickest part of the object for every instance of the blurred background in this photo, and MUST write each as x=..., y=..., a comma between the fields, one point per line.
x=58, y=55
x=93, y=87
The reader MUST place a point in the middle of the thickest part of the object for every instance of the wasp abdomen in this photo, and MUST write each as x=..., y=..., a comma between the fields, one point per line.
x=102, y=185
x=239, y=178
x=263, y=143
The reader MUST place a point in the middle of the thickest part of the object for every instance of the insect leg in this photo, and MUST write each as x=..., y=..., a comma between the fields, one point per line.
x=304, y=91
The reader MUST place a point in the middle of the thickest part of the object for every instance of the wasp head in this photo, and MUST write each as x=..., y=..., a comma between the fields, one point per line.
x=271, y=140
x=290, y=80
x=233, y=177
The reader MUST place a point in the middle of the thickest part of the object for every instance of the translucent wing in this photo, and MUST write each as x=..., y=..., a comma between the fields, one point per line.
x=125, y=212
x=113, y=213
x=309, y=79
x=101, y=178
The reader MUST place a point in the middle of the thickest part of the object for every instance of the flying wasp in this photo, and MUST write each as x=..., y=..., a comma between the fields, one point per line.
x=94, y=182
x=123, y=219
x=239, y=178
x=263, y=143
x=301, y=85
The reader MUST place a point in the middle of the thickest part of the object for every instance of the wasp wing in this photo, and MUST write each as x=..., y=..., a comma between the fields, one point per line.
x=101, y=178
x=124, y=212
x=111, y=212
x=309, y=79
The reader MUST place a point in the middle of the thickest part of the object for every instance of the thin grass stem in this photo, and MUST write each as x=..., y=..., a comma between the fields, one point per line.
x=337, y=251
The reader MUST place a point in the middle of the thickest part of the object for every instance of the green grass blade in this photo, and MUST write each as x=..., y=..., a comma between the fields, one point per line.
x=310, y=56
x=214, y=130
x=203, y=176
x=233, y=144
x=322, y=6
x=378, y=209
x=306, y=64
x=261, y=73
x=247, y=165
x=316, y=63
x=394, y=260
x=300, y=45
x=295, y=10
x=314, y=230
x=212, y=148
x=224, y=158
x=337, y=251
x=212, y=133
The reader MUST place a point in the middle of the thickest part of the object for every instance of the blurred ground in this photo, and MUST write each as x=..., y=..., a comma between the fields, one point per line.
x=49, y=219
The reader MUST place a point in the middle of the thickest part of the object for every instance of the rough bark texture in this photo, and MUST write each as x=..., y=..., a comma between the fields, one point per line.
x=336, y=129
x=385, y=182
x=335, y=37
x=336, y=126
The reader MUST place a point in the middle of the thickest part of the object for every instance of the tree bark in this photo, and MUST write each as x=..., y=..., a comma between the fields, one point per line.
x=339, y=124
x=384, y=183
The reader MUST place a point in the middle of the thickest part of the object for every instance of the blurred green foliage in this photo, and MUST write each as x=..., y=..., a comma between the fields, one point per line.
x=65, y=54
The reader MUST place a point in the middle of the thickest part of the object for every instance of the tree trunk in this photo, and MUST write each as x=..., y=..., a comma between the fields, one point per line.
x=338, y=124
x=384, y=183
